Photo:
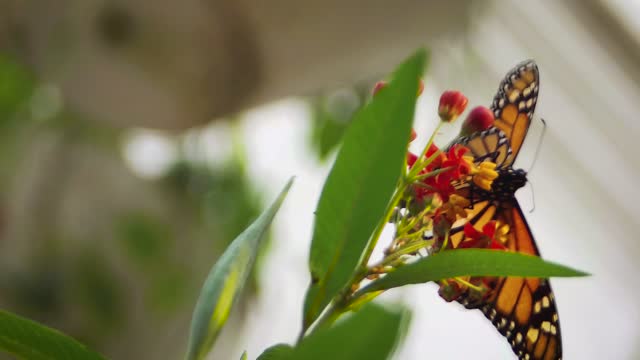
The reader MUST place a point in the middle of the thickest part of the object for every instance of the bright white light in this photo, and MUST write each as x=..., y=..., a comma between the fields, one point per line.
x=211, y=145
x=148, y=153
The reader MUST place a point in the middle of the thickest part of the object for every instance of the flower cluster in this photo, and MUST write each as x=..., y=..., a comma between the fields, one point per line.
x=441, y=171
x=434, y=202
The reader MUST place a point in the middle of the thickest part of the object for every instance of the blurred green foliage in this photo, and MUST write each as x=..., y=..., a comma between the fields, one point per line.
x=16, y=86
x=145, y=239
x=86, y=279
x=95, y=285
x=331, y=115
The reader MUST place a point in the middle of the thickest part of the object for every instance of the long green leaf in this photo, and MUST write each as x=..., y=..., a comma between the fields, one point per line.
x=471, y=262
x=276, y=352
x=26, y=339
x=225, y=282
x=360, y=185
x=371, y=333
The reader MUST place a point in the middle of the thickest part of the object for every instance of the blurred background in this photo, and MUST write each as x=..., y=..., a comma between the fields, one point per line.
x=138, y=138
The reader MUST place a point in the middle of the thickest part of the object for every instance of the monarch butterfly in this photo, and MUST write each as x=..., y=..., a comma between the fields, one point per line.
x=522, y=309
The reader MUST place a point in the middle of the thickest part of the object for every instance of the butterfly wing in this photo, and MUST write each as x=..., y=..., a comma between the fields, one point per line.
x=513, y=107
x=514, y=104
x=522, y=309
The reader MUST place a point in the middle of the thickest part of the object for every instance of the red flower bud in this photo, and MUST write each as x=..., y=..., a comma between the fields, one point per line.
x=452, y=104
x=479, y=119
x=413, y=135
x=378, y=86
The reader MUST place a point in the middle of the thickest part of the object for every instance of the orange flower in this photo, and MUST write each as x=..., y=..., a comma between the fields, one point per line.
x=454, y=208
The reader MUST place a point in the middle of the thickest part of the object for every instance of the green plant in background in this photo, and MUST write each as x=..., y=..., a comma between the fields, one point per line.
x=133, y=244
x=372, y=183
x=331, y=115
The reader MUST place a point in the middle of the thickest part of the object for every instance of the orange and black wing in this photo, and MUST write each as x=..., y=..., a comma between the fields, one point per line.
x=522, y=309
x=491, y=144
x=514, y=104
x=513, y=107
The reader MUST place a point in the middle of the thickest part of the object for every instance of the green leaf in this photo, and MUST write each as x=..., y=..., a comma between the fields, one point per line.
x=471, y=262
x=26, y=339
x=360, y=185
x=327, y=132
x=371, y=333
x=16, y=86
x=276, y=352
x=226, y=280
x=243, y=356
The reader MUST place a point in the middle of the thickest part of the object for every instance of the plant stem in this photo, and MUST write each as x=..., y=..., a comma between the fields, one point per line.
x=330, y=315
x=430, y=174
x=409, y=249
x=376, y=235
x=420, y=164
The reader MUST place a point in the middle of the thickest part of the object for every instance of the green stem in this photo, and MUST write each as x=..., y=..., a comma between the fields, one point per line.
x=403, y=230
x=409, y=249
x=430, y=174
x=331, y=314
x=446, y=241
x=468, y=284
x=420, y=164
x=376, y=235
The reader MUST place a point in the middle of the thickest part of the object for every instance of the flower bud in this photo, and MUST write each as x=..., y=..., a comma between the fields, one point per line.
x=452, y=104
x=378, y=86
x=479, y=119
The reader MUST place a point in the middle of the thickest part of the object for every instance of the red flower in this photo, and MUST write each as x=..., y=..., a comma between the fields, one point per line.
x=452, y=104
x=411, y=159
x=479, y=119
x=413, y=135
x=437, y=161
x=456, y=159
x=486, y=239
x=441, y=185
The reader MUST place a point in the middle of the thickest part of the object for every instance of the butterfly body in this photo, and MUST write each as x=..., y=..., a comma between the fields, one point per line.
x=523, y=310
x=503, y=187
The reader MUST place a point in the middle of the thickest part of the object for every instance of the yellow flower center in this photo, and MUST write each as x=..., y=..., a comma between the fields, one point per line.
x=484, y=174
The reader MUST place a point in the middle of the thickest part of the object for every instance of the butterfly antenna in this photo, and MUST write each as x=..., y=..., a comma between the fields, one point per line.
x=535, y=156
